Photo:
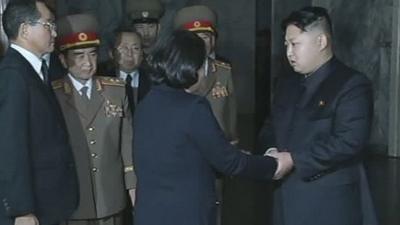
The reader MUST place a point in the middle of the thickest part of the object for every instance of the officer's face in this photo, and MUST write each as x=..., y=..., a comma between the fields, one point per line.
x=302, y=49
x=40, y=34
x=209, y=41
x=81, y=63
x=128, y=53
x=149, y=33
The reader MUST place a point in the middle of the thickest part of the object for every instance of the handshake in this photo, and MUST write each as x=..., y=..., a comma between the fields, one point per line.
x=284, y=160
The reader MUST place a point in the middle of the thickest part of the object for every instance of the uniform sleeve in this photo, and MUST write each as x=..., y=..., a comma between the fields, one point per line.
x=351, y=127
x=208, y=137
x=15, y=164
x=127, y=148
x=232, y=112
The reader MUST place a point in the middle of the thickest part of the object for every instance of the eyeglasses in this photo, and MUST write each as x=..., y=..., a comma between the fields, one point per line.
x=47, y=25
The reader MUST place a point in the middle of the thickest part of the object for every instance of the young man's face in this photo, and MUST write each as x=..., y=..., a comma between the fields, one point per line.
x=40, y=34
x=81, y=63
x=149, y=33
x=128, y=52
x=302, y=49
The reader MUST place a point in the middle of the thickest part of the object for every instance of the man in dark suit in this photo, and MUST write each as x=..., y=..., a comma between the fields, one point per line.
x=322, y=117
x=130, y=67
x=38, y=183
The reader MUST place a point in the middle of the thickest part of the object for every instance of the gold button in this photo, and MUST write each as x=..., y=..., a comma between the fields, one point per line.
x=94, y=169
x=92, y=142
x=91, y=128
x=94, y=155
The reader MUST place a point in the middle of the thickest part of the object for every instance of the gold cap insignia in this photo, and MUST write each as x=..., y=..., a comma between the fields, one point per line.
x=145, y=14
x=196, y=24
x=321, y=103
x=82, y=37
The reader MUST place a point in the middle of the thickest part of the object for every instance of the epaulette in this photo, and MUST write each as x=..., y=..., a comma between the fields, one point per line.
x=223, y=64
x=57, y=84
x=111, y=81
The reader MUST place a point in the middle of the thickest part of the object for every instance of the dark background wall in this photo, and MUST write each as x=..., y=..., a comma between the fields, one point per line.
x=363, y=36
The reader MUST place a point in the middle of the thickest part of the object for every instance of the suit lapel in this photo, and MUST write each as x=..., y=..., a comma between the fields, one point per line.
x=144, y=84
x=35, y=82
x=315, y=84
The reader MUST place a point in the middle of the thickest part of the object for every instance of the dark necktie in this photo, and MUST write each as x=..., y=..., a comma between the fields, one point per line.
x=84, y=95
x=45, y=72
x=129, y=93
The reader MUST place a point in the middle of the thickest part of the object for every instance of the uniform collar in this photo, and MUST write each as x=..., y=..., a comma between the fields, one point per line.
x=312, y=81
x=78, y=85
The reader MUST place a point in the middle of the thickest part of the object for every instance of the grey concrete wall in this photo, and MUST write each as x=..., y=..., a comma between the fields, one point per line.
x=363, y=35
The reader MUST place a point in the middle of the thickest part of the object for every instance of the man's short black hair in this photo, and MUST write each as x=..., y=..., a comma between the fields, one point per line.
x=18, y=12
x=176, y=58
x=124, y=29
x=309, y=17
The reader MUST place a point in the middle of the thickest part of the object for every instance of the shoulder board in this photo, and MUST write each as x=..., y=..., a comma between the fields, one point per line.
x=223, y=64
x=57, y=84
x=111, y=81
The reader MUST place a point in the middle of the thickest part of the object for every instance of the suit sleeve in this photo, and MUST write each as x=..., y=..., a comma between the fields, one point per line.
x=350, y=131
x=208, y=137
x=16, y=187
x=127, y=147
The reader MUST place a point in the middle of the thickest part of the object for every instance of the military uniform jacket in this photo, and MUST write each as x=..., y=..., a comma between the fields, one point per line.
x=324, y=123
x=217, y=87
x=101, y=139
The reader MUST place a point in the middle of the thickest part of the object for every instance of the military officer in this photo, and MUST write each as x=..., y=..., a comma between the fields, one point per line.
x=145, y=16
x=99, y=125
x=216, y=81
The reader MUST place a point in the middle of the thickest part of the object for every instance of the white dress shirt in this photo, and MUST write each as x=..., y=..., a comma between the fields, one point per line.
x=31, y=58
x=78, y=85
x=135, y=77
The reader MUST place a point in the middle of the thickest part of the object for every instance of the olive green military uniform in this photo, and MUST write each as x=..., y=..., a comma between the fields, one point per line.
x=101, y=139
x=100, y=131
x=217, y=85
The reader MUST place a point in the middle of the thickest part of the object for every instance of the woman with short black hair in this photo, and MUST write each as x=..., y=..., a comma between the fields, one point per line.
x=178, y=144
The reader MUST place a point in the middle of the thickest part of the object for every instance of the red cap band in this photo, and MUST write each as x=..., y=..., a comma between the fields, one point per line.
x=199, y=25
x=76, y=39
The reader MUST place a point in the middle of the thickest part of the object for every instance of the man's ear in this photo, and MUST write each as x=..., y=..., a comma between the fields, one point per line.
x=23, y=31
x=63, y=60
x=322, y=41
